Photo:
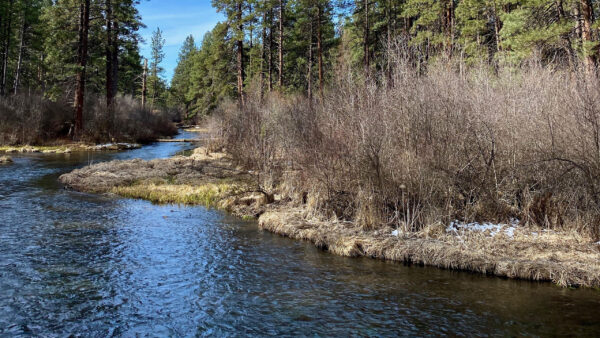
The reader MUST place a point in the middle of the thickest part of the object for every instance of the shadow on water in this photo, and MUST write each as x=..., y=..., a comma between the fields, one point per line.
x=101, y=265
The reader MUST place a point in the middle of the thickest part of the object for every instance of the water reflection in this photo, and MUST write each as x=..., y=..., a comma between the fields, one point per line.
x=102, y=266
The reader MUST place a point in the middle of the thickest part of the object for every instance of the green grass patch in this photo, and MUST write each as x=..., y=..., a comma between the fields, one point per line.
x=209, y=194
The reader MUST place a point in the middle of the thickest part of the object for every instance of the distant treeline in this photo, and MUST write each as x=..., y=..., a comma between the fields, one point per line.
x=76, y=53
x=296, y=45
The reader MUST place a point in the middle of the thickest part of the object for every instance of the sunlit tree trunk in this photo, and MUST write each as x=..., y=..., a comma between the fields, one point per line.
x=263, y=52
x=145, y=84
x=280, y=76
x=320, y=51
x=587, y=15
x=20, y=57
x=7, y=36
x=240, y=54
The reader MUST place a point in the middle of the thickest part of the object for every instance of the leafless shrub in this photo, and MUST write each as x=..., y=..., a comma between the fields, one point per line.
x=444, y=144
x=32, y=119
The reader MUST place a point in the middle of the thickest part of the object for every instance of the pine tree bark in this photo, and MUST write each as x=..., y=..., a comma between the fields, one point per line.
x=367, y=58
x=115, y=59
x=270, y=52
x=310, y=61
x=145, y=84
x=20, y=57
x=110, y=83
x=7, y=36
x=587, y=15
x=449, y=23
x=240, y=55
x=263, y=52
x=388, y=67
x=280, y=75
x=320, y=51
x=497, y=27
x=82, y=54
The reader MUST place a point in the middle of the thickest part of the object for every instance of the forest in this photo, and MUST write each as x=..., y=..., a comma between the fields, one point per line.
x=299, y=46
x=73, y=69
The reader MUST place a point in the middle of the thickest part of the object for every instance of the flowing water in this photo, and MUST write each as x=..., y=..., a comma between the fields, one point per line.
x=73, y=263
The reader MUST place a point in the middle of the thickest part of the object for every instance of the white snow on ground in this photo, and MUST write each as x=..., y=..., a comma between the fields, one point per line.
x=459, y=228
x=396, y=233
x=598, y=243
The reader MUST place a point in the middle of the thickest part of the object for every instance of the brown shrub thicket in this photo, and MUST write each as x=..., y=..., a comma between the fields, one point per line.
x=415, y=149
x=31, y=119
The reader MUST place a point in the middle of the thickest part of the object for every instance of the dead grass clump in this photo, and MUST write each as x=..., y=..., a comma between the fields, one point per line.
x=566, y=259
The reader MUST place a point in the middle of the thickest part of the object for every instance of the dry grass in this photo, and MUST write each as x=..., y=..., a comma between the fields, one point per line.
x=204, y=178
x=566, y=259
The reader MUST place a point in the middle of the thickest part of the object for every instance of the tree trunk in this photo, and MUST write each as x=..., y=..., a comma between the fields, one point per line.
x=263, y=52
x=110, y=90
x=270, y=55
x=320, y=51
x=20, y=58
x=586, y=35
x=240, y=55
x=310, y=61
x=41, y=75
x=366, y=39
x=578, y=24
x=449, y=20
x=7, y=32
x=145, y=84
x=82, y=53
x=115, y=59
x=497, y=27
x=388, y=67
x=280, y=76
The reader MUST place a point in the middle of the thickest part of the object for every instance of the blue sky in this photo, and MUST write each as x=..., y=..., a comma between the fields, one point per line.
x=177, y=19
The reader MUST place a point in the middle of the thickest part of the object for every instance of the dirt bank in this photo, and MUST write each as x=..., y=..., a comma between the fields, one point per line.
x=211, y=179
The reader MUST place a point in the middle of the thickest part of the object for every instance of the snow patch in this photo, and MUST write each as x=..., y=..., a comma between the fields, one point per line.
x=597, y=243
x=396, y=233
x=459, y=228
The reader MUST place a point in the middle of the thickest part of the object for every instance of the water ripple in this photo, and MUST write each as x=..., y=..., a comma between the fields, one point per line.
x=81, y=264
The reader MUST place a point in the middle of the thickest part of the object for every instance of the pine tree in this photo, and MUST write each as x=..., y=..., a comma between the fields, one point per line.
x=535, y=28
x=157, y=87
x=235, y=13
x=181, y=82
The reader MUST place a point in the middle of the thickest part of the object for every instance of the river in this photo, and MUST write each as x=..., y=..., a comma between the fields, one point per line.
x=92, y=265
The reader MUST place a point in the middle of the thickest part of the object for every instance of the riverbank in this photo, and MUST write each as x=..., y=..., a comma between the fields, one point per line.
x=202, y=178
x=68, y=148
x=212, y=180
